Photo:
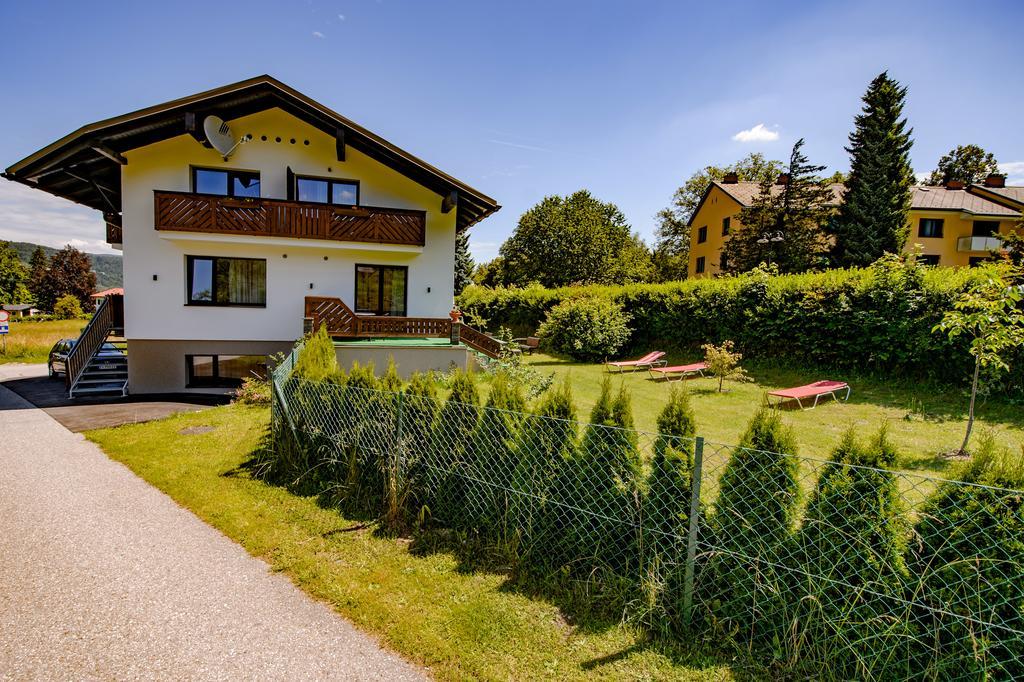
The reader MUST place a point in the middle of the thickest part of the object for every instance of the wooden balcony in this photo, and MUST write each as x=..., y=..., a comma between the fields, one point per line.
x=187, y=212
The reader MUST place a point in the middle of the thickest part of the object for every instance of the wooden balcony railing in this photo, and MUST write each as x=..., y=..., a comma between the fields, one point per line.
x=186, y=212
x=341, y=322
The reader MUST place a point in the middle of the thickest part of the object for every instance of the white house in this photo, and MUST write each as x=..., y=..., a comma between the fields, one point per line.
x=226, y=252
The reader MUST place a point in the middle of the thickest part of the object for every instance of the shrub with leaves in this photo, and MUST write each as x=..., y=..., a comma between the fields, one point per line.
x=968, y=555
x=852, y=544
x=753, y=526
x=546, y=452
x=446, y=467
x=586, y=329
x=667, y=504
x=253, y=391
x=724, y=363
x=604, y=485
x=317, y=360
x=491, y=459
x=67, y=307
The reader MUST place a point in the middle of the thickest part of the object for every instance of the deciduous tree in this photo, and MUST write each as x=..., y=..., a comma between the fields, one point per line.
x=13, y=276
x=968, y=163
x=70, y=272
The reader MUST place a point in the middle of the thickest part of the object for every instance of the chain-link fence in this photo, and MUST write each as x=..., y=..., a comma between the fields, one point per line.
x=822, y=568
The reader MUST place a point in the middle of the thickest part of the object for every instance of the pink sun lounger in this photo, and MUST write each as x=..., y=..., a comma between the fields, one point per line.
x=678, y=371
x=815, y=390
x=652, y=359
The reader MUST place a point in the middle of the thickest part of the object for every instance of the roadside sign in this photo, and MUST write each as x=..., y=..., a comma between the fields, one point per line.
x=4, y=328
x=4, y=316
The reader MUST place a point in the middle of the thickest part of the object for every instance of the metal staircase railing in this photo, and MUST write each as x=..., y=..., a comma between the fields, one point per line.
x=89, y=341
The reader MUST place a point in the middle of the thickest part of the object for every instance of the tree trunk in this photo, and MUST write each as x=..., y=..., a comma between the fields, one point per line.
x=970, y=410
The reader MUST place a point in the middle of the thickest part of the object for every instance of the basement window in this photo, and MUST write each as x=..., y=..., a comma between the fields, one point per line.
x=223, y=371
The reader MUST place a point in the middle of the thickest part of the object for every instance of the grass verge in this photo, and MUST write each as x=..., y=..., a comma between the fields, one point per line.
x=32, y=341
x=461, y=624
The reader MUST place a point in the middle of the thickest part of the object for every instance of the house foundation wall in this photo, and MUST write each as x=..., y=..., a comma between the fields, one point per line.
x=158, y=366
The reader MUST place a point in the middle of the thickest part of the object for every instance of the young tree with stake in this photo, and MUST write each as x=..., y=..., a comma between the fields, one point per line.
x=990, y=315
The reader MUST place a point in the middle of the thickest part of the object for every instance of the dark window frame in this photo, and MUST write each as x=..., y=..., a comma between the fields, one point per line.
x=330, y=188
x=216, y=381
x=726, y=225
x=232, y=173
x=379, y=312
x=702, y=234
x=700, y=266
x=993, y=226
x=213, y=303
x=940, y=222
x=932, y=259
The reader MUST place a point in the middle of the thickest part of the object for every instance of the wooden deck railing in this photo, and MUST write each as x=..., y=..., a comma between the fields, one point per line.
x=341, y=322
x=188, y=212
x=89, y=341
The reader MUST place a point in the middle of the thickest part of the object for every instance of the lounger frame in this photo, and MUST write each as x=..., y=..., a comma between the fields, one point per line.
x=679, y=374
x=817, y=396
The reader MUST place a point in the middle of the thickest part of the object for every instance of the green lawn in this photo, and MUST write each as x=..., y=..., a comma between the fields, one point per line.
x=924, y=421
x=463, y=625
x=32, y=341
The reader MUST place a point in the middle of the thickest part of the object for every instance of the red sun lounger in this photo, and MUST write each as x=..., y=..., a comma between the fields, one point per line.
x=652, y=359
x=815, y=390
x=678, y=371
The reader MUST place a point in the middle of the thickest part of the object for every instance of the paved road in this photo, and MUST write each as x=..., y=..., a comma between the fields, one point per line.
x=103, y=576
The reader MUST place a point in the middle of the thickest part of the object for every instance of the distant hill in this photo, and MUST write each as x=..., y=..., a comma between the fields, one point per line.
x=107, y=267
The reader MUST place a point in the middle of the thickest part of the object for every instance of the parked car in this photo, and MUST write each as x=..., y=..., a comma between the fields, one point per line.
x=56, y=363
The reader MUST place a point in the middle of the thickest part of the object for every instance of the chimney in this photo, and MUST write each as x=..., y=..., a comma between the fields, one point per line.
x=730, y=179
x=995, y=180
x=954, y=184
x=783, y=179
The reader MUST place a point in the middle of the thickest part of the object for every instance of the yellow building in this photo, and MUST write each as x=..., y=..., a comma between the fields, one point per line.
x=953, y=225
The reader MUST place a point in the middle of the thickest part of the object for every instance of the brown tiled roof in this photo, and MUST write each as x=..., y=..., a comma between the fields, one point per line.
x=1014, y=194
x=922, y=198
x=942, y=199
x=745, y=192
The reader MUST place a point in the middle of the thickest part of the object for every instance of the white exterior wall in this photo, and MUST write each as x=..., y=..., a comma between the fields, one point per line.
x=157, y=310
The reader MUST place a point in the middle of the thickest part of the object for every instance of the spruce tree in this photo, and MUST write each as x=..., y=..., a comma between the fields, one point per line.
x=464, y=264
x=783, y=226
x=37, y=266
x=872, y=220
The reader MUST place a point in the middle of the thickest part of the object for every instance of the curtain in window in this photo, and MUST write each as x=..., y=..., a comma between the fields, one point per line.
x=394, y=291
x=242, y=282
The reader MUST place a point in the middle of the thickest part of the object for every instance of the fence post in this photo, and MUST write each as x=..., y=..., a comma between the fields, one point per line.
x=691, y=536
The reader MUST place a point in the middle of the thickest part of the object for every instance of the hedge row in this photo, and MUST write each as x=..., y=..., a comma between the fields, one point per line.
x=874, y=320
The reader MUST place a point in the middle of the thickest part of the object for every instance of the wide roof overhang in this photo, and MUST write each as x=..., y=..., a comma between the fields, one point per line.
x=85, y=166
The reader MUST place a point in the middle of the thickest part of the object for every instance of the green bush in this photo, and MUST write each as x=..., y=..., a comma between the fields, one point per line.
x=604, y=486
x=585, y=329
x=876, y=319
x=420, y=407
x=446, y=469
x=317, y=360
x=546, y=452
x=968, y=559
x=667, y=506
x=753, y=525
x=853, y=539
x=490, y=459
x=67, y=307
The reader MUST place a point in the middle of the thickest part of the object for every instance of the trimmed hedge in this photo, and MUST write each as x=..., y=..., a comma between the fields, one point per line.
x=876, y=320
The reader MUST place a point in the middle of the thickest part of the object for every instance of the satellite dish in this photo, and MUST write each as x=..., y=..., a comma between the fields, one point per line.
x=220, y=137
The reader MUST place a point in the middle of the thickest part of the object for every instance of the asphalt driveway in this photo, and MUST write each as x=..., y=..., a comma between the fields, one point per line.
x=104, y=577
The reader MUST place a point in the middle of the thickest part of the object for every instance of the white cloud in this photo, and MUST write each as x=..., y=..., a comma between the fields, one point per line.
x=517, y=145
x=759, y=133
x=318, y=34
x=1014, y=172
x=30, y=215
x=341, y=17
x=921, y=178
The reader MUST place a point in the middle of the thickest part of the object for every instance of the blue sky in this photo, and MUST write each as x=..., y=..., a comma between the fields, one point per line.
x=526, y=99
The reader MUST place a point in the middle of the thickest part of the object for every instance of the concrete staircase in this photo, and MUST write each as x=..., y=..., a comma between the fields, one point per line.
x=106, y=373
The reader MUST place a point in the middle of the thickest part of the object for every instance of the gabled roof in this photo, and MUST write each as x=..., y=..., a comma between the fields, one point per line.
x=922, y=198
x=1008, y=196
x=84, y=166
x=116, y=291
